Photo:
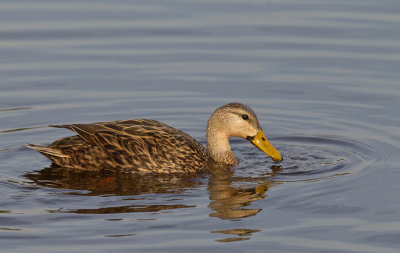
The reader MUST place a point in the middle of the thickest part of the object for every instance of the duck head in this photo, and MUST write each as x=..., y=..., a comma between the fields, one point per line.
x=235, y=120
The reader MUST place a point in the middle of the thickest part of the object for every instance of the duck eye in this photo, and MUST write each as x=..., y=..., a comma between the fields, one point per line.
x=245, y=117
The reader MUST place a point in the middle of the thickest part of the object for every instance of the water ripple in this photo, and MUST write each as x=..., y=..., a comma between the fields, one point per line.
x=316, y=158
x=312, y=158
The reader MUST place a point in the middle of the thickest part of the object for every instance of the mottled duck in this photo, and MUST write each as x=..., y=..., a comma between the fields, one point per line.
x=144, y=146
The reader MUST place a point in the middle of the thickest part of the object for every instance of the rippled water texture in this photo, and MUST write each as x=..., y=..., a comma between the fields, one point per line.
x=322, y=76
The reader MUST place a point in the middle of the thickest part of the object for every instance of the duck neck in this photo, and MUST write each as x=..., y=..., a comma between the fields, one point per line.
x=218, y=146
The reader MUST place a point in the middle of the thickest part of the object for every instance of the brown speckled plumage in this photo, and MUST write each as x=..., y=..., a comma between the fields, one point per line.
x=135, y=146
x=144, y=146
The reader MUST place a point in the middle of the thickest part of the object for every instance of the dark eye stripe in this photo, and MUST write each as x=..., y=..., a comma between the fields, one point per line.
x=245, y=117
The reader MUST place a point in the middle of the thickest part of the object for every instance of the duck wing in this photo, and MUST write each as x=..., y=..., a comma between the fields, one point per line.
x=142, y=145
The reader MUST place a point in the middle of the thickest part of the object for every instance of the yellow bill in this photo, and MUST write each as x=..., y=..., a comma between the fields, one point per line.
x=261, y=142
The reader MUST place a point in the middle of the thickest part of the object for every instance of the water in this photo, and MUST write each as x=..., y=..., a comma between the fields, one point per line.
x=322, y=77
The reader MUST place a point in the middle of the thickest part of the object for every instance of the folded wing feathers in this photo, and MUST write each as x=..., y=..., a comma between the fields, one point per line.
x=48, y=151
x=140, y=143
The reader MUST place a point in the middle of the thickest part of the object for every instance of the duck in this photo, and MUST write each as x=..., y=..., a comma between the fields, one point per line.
x=145, y=146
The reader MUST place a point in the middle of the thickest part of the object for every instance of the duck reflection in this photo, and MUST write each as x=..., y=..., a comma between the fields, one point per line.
x=108, y=183
x=242, y=234
x=95, y=183
x=230, y=201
